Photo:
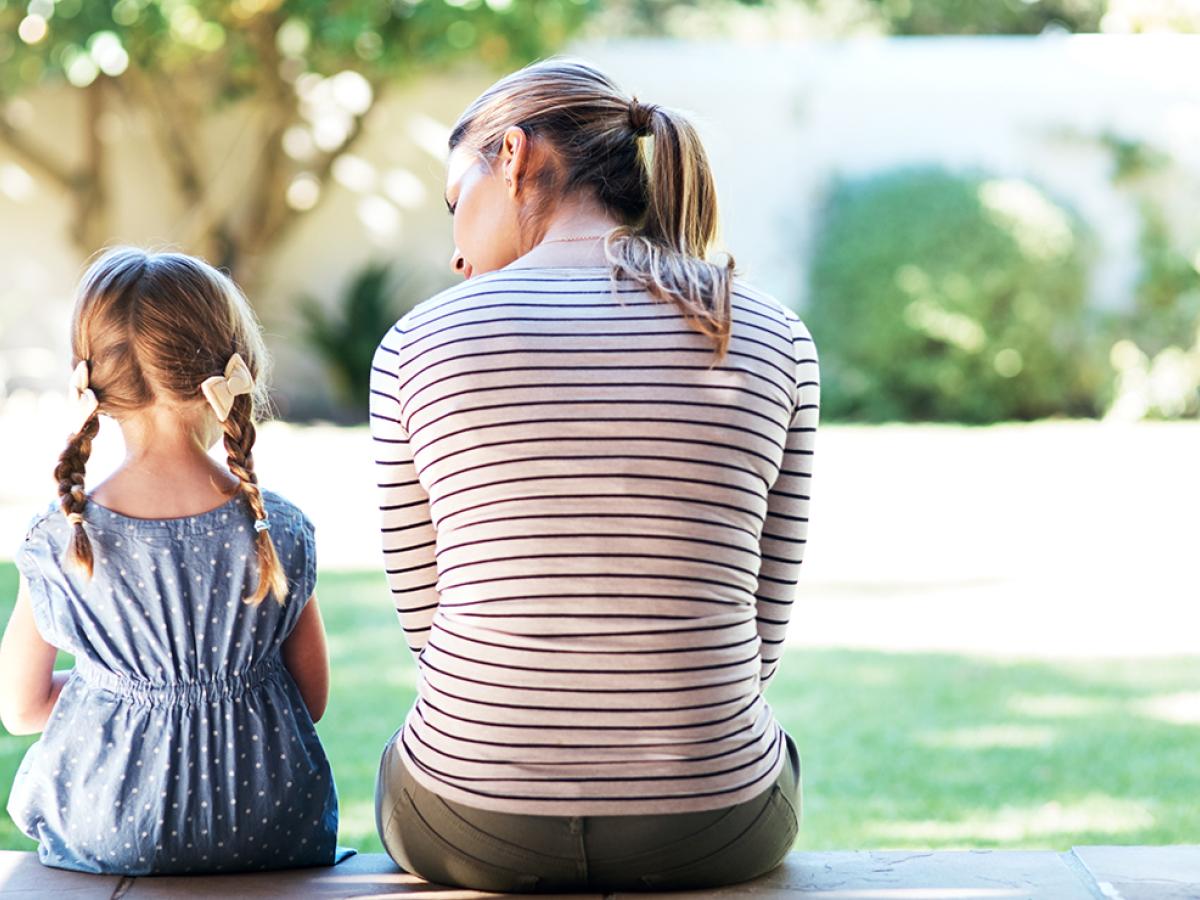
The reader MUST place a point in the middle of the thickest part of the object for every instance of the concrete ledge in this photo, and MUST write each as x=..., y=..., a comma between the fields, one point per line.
x=1086, y=873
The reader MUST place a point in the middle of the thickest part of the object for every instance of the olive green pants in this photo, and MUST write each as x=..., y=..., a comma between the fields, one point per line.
x=448, y=843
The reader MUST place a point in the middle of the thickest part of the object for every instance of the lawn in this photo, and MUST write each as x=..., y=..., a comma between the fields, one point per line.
x=899, y=749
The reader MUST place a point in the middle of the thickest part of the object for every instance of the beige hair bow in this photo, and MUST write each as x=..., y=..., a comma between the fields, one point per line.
x=85, y=397
x=221, y=389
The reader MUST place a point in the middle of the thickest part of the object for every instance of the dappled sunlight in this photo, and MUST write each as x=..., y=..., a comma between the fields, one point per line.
x=989, y=736
x=1178, y=709
x=957, y=750
x=949, y=893
x=873, y=675
x=1041, y=228
x=1059, y=706
x=407, y=886
x=928, y=316
x=1096, y=814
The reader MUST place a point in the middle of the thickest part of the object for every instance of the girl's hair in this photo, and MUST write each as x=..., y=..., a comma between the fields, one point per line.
x=664, y=193
x=151, y=328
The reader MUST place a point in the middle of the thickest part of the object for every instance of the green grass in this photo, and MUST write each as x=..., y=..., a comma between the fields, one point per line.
x=899, y=750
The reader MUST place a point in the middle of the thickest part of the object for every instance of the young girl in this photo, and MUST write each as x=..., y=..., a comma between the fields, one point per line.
x=183, y=738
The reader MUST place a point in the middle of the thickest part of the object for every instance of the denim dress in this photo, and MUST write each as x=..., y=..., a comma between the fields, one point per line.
x=180, y=743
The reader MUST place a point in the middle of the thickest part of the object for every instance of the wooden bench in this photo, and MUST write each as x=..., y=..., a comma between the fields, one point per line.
x=1086, y=873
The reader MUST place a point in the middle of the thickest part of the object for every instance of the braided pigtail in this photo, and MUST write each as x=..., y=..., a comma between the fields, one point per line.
x=239, y=446
x=69, y=473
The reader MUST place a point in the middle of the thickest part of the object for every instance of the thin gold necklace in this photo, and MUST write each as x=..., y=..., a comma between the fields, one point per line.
x=586, y=237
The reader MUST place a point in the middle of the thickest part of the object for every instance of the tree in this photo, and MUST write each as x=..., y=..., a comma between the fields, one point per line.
x=911, y=17
x=308, y=74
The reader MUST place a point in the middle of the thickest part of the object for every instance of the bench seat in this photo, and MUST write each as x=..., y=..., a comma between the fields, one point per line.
x=1084, y=873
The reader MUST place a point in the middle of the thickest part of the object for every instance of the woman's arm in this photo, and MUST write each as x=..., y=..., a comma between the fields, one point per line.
x=29, y=686
x=307, y=659
x=785, y=531
x=409, y=539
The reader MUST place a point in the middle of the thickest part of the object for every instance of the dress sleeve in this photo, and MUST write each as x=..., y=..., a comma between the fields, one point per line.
x=300, y=567
x=409, y=538
x=786, y=528
x=307, y=548
x=39, y=560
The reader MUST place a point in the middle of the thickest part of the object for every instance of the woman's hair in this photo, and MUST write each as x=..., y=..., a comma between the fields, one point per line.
x=663, y=193
x=151, y=328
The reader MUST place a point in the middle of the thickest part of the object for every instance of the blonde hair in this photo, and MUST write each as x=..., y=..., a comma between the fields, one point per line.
x=662, y=190
x=152, y=327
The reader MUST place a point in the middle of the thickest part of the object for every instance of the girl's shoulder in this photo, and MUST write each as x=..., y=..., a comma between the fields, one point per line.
x=48, y=528
x=285, y=513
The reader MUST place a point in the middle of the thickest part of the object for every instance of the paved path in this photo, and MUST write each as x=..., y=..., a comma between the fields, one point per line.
x=1044, y=540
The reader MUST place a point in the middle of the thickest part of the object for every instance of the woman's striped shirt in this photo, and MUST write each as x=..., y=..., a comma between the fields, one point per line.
x=592, y=535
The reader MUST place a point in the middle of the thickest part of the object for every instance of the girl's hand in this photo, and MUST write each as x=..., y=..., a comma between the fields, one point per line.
x=307, y=659
x=29, y=686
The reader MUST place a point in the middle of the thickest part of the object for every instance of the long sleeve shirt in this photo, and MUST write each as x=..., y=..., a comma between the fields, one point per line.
x=592, y=532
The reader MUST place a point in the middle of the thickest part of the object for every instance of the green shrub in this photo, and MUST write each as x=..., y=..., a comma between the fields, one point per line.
x=945, y=297
x=1156, y=343
x=345, y=339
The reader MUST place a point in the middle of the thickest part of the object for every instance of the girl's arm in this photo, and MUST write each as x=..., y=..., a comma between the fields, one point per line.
x=307, y=659
x=30, y=686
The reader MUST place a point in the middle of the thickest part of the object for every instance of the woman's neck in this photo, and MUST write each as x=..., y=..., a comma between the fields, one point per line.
x=570, y=220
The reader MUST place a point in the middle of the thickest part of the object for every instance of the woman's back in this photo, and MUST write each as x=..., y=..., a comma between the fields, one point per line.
x=180, y=742
x=595, y=627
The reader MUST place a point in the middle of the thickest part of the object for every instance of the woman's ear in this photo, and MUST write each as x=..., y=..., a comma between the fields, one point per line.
x=514, y=156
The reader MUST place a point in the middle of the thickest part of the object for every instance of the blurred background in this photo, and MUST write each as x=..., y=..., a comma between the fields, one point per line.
x=985, y=212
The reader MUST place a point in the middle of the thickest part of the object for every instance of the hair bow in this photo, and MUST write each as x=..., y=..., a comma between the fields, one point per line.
x=221, y=389
x=85, y=397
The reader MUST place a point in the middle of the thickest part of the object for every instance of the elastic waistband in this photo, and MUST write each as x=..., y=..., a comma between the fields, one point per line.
x=177, y=693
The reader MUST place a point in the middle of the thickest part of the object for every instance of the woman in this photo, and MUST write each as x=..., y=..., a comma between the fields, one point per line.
x=594, y=456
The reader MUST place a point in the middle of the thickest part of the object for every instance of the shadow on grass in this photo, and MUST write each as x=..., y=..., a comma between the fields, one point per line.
x=899, y=750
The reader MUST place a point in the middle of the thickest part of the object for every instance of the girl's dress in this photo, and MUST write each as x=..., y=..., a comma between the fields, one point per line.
x=180, y=743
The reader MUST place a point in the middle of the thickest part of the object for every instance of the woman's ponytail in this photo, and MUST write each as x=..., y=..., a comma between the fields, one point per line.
x=667, y=252
x=645, y=164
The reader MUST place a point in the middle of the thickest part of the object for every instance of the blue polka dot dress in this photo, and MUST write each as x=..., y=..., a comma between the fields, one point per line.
x=180, y=743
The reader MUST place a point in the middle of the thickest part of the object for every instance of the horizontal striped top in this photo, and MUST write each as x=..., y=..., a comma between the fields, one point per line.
x=592, y=536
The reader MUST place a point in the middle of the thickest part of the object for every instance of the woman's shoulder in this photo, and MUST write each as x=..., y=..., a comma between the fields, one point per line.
x=761, y=300
x=481, y=286
x=758, y=304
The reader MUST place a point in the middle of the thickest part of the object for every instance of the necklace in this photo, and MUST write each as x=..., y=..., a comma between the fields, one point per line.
x=586, y=237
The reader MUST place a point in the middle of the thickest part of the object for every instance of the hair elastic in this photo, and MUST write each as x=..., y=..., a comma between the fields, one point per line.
x=263, y=524
x=641, y=117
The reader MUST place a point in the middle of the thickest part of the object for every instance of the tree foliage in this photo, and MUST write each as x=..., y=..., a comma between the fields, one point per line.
x=309, y=71
x=913, y=17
